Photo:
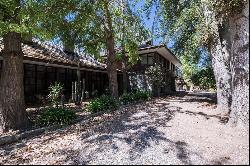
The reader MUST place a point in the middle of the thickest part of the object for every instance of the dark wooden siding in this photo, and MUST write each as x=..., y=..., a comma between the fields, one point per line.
x=37, y=79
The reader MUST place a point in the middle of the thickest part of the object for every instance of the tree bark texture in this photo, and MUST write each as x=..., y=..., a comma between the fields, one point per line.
x=239, y=26
x=111, y=67
x=111, y=60
x=220, y=52
x=12, y=105
x=124, y=59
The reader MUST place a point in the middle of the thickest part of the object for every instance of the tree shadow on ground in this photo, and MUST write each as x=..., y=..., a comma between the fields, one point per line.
x=222, y=119
x=200, y=100
x=138, y=129
x=136, y=126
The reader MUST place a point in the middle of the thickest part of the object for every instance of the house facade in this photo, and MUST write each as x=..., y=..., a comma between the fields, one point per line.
x=46, y=63
x=149, y=56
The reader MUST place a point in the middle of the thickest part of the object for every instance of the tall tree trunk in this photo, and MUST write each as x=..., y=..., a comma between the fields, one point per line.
x=12, y=105
x=239, y=25
x=220, y=52
x=111, y=60
x=220, y=55
x=111, y=67
x=124, y=64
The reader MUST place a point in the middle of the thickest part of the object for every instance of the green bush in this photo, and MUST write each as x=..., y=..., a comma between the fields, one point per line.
x=105, y=102
x=126, y=98
x=134, y=96
x=55, y=92
x=51, y=116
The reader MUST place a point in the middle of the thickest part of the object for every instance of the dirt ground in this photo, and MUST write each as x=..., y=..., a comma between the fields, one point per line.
x=169, y=130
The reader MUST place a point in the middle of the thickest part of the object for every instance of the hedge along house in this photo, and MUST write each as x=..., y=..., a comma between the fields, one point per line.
x=151, y=55
x=46, y=63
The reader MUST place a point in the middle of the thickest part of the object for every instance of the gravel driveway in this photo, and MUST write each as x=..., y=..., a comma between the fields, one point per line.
x=170, y=130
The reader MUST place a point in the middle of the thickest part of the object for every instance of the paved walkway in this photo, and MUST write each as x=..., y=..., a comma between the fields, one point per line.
x=171, y=130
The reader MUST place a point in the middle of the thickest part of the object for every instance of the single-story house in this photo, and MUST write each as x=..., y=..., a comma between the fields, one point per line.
x=45, y=63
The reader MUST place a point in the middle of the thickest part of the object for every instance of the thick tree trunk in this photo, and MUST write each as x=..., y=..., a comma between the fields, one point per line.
x=239, y=25
x=111, y=60
x=111, y=67
x=124, y=60
x=12, y=105
x=220, y=55
x=220, y=52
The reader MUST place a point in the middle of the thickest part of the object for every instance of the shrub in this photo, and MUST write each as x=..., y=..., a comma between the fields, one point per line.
x=155, y=75
x=134, y=96
x=126, y=98
x=143, y=95
x=55, y=92
x=51, y=116
x=105, y=102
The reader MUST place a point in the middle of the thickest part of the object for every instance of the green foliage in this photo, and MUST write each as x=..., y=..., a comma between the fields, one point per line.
x=55, y=92
x=52, y=116
x=24, y=17
x=192, y=25
x=204, y=78
x=135, y=96
x=155, y=75
x=103, y=103
x=107, y=102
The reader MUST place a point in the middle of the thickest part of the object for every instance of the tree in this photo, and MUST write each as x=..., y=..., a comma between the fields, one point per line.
x=96, y=26
x=155, y=76
x=12, y=106
x=207, y=24
x=204, y=78
x=239, y=30
x=118, y=24
x=18, y=19
x=129, y=34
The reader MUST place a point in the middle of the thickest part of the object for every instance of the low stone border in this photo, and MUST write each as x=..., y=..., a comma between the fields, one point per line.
x=8, y=139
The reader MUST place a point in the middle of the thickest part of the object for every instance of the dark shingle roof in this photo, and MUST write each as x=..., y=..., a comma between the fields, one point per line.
x=54, y=53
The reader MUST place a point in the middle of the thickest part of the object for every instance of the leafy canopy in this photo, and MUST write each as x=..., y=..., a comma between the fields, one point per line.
x=190, y=24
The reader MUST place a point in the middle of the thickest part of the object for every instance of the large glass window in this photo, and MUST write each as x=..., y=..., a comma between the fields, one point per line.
x=168, y=64
x=144, y=59
x=150, y=59
x=29, y=79
x=40, y=78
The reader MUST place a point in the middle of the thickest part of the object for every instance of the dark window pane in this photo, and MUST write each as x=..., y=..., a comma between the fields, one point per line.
x=144, y=59
x=29, y=67
x=150, y=60
x=40, y=68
